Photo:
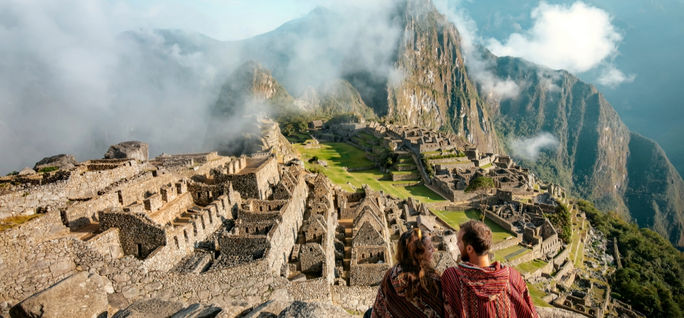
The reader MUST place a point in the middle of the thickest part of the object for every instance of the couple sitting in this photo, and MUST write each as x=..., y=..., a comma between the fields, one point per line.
x=475, y=288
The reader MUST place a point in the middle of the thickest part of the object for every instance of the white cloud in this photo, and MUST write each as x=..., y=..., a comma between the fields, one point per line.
x=576, y=38
x=529, y=148
x=478, y=67
x=612, y=77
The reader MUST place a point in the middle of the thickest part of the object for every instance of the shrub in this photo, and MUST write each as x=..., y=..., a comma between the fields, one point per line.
x=48, y=169
x=480, y=183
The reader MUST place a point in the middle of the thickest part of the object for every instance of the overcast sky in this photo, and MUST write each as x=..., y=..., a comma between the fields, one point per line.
x=221, y=20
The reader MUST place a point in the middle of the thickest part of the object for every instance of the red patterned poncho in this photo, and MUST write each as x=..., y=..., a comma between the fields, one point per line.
x=494, y=291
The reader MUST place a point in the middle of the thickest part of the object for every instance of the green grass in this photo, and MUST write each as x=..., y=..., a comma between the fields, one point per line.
x=531, y=266
x=510, y=253
x=537, y=294
x=456, y=218
x=406, y=165
x=489, y=165
x=340, y=155
x=48, y=169
x=405, y=160
x=404, y=172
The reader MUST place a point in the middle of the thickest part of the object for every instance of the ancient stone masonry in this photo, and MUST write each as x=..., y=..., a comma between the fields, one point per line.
x=236, y=232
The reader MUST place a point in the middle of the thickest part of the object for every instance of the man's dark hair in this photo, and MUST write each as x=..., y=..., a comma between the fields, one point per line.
x=478, y=235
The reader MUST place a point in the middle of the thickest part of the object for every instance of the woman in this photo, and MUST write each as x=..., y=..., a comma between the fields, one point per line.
x=411, y=288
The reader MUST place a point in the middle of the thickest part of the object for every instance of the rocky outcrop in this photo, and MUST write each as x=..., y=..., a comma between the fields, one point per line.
x=156, y=308
x=80, y=295
x=598, y=158
x=62, y=162
x=128, y=150
x=312, y=310
x=550, y=312
x=436, y=91
x=26, y=172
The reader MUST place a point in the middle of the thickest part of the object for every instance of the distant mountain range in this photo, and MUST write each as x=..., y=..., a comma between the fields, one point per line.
x=415, y=74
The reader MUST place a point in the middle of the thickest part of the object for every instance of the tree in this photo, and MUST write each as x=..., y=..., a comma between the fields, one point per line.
x=480, y=185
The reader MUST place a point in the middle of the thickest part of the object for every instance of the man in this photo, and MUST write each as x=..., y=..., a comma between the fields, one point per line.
x=478, y=288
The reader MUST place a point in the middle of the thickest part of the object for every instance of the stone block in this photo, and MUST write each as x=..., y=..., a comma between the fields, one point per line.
x=136, y=207
x=128, y=150
x=168, y=193
x=80, y=295
x=153, y=202
x=181, y=187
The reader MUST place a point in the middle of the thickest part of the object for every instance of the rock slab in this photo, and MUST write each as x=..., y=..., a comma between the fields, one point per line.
x=79, y=295
x=62, y=161
x=128, y=150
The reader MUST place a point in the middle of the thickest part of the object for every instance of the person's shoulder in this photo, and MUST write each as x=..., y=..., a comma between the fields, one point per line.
x=449, y=273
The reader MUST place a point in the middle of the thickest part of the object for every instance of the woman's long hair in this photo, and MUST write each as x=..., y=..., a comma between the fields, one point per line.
x=419, y=272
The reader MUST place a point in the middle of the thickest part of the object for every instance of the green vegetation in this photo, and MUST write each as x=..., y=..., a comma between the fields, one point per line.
x=458, y=154
x=48, y=169
x=403, y=172
x=487, y=166
x=12, y=221
x=480, y=183
x=536, y=294
x=531, y=266
x=340, y=156
x=456, y=218
x=427, y=165
x=510, y=253
x=344, y=118
x=13, y=173
x=562, y=221
x=652, y=276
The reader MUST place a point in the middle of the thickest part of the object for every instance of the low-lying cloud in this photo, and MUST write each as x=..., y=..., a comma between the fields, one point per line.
x=73, y=79
x=612, y=77
x=529, y=148
x=478, y=67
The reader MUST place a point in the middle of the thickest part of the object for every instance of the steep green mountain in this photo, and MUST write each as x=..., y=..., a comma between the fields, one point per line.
x=435, y=90
x=598, y=157
x=655, y=190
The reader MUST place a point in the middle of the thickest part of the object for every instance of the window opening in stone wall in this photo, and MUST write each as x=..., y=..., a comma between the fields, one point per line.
x=194, y=228
x=140, y=250
x=185, y=233
x=175, y=239
x=211, y=219
x=202, y=219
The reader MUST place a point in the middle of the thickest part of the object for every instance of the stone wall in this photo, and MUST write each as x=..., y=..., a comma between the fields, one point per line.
x=544, y=270
x=34, y=256
x=122, y=195
x=253, y=247
x=107, y=243
x=515, y=240
x=561, y=257
x=139, y=235
x=501, y=222
x=283, y=239
x=311, y=258
x=404, y=176
x=564, y=269
x=172, y=209
x=355, y=298
x=367, y=274
x=81, y=183
x=182, y=238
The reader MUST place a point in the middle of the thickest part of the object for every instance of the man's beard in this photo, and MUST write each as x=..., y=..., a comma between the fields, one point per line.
x=465, y=258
